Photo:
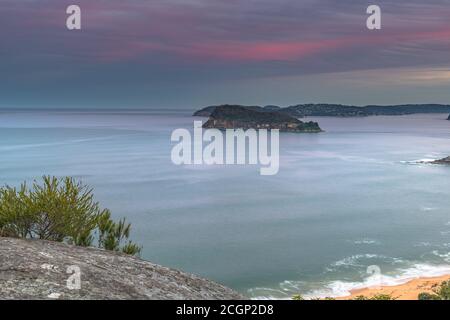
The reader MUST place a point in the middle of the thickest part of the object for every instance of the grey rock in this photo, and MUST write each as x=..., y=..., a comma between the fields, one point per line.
x=442, y=161
x=36, y=269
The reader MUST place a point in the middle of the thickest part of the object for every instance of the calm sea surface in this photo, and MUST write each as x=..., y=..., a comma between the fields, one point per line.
x=351, y=197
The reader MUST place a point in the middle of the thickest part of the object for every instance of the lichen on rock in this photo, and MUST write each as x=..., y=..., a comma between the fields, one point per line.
x=36, y=269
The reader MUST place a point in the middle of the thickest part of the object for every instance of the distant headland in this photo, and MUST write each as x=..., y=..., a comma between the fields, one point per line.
x=240, y=117
x=339, y=110
x=442, y=161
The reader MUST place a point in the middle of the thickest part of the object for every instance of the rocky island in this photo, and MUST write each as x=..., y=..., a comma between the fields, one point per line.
x=37, y=269
x=442, y=161
x=239, y=117
x=339, y=110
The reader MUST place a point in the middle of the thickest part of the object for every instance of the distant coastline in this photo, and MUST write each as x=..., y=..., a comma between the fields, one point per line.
x=339, y=110
x=442, y=161
x=409, y=290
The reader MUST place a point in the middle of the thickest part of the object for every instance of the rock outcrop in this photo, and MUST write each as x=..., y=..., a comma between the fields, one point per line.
x=238, y=117
x=36, y=269
x=442, y=161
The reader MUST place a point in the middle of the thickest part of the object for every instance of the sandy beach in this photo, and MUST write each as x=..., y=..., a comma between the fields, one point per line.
x=407, y=291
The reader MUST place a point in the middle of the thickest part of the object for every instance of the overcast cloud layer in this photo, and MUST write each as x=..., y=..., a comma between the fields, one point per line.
x=191, y=53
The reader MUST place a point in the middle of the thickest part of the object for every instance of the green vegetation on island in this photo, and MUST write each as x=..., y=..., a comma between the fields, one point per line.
x=339, y=110
x=238, y=117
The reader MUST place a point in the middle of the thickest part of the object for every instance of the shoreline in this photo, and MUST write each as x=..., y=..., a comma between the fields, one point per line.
x=405, y=291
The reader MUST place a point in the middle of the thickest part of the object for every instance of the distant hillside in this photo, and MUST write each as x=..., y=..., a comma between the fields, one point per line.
x=338, y=110
x=239, y=117
x=206, y=112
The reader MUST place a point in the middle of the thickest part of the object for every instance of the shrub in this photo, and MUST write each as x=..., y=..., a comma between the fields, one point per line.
x=444, y=290
x=375, y=297
x=428, y=296
x=299, y=297
x=382, y=297
x=441, y=293
x=61, y=210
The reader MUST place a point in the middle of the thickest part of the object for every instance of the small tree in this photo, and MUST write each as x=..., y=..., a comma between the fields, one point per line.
x=428, y=296
x=61, y=210
x=380, y=296
x=440, y=293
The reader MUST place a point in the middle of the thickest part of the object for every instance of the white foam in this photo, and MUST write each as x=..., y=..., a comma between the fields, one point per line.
x=343, y=288
x=445, y=256
x=366, y=241
x=353, y=260
x=360, y=260
x=420, y=161
x=423, y=244
x=426, y=209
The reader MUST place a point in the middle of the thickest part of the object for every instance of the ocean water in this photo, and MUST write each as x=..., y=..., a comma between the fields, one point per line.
x=352, y=197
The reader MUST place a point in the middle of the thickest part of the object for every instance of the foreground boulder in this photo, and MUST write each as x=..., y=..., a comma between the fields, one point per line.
x=35, y=269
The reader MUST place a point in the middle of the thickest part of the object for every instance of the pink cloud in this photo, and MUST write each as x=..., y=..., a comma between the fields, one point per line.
x=288, y=50
x=259, y=51
x=205, y=31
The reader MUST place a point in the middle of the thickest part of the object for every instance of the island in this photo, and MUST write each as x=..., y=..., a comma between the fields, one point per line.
x=339, y=110
x=442, y=161
x=240, y=117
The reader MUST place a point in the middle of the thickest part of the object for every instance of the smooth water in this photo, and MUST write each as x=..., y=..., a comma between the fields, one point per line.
x=353, y=196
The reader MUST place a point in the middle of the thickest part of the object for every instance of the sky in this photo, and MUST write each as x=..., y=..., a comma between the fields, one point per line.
x=194, y=53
